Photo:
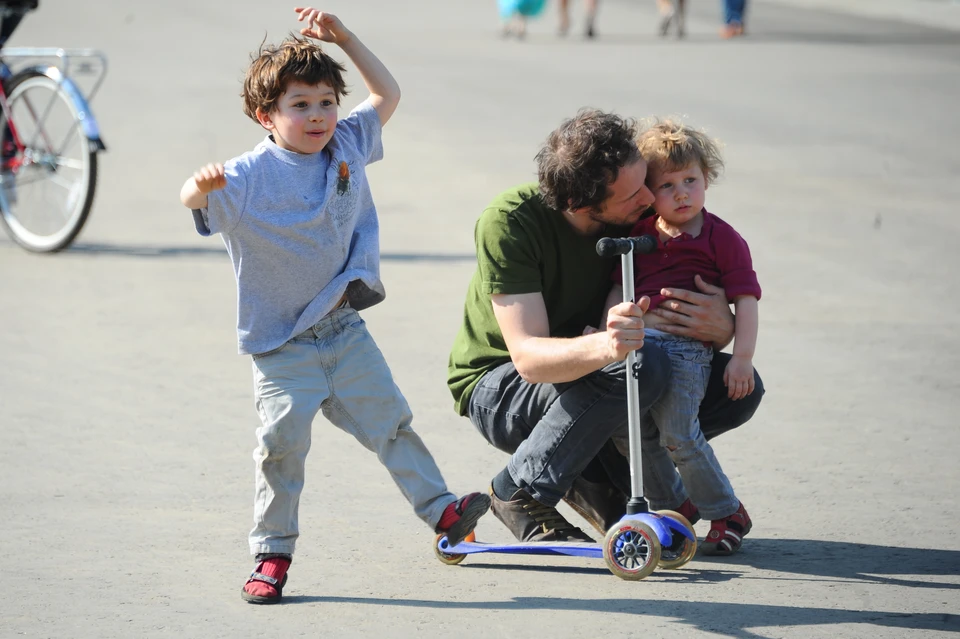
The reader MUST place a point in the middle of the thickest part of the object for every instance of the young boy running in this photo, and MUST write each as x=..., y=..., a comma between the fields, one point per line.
x=681, y=163
x=300, y=226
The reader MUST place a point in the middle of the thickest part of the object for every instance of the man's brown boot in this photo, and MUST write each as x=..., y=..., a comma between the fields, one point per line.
x=529, y=520
x=601, y=503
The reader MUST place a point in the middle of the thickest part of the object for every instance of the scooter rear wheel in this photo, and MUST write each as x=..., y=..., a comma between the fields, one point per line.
x=677, y=555
x=448, y=558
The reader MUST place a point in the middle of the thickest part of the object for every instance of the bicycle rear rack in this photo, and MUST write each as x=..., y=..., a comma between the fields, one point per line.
x=77, y=61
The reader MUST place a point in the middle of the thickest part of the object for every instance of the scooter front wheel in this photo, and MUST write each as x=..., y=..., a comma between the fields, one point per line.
x=631, y=550
x=682, y=549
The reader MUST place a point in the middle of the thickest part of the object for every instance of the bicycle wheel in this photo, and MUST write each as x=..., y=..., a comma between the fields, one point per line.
x=48, y=185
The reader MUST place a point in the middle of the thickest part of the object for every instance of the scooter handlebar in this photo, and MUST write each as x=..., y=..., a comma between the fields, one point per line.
x=610, y=246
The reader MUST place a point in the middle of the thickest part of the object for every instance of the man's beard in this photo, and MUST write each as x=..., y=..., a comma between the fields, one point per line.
x=598, y=216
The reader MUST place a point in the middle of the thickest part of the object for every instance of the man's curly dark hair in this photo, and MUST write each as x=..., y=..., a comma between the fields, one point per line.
x=583, y=156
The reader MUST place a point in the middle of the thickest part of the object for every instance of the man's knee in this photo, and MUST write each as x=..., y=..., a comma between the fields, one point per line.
x=751, y=402
x=503, y=431
x=719, y=414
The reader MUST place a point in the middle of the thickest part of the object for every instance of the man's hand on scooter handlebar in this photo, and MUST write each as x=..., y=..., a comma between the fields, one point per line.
x=625, y=327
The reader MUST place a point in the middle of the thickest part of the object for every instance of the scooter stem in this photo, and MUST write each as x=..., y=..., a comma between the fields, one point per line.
x=637, y=503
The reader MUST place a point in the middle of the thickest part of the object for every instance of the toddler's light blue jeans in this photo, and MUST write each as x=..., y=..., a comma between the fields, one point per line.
x=672, y=437
x=335, y=367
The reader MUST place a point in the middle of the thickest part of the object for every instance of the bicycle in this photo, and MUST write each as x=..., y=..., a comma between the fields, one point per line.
x=50, y=139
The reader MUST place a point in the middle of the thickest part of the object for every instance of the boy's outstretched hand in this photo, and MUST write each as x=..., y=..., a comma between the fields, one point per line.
x=738, y=376
x=210, y=178
x=322, y=26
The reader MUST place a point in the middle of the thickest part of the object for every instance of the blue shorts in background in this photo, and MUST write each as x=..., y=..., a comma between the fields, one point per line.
x=509, y=8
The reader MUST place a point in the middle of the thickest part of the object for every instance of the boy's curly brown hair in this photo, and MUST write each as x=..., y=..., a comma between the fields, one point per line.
x=668, y=145
x=273, y=67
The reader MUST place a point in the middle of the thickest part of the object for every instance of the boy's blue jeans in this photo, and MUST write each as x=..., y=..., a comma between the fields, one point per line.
x=335, y=367
x=554, y=431
x=671, y=435
x=733, y=11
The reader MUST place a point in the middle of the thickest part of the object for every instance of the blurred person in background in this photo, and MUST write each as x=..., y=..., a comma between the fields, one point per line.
x=590, y=28
x=733, y=12
x=672, y=12
x=514, y=14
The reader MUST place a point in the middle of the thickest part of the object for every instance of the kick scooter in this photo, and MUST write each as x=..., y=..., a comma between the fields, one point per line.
x=641, y=540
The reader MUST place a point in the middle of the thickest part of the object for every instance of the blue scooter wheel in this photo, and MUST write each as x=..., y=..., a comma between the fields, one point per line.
x=631, y=550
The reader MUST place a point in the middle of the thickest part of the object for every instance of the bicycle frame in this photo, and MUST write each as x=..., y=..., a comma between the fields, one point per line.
x=12, y=164
x=59, y=73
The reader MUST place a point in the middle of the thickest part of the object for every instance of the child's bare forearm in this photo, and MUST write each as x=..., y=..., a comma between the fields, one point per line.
x=384, y=90
x=191, y=196
x=207, y=178
x=747, y=325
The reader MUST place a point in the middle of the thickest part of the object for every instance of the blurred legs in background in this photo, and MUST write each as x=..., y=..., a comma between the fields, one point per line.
x=590, y=28
x=514, y=14
x=733, y=12
x=672, y=12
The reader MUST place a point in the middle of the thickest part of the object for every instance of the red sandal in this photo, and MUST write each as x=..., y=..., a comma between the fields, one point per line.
x=273, y=573
x=726, y=535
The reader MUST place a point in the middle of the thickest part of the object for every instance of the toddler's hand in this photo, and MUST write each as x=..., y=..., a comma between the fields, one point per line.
x=210, y=178
x=738, y=376
x=322, y=26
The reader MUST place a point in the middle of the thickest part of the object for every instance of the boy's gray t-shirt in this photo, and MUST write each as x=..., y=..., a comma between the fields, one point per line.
x=301, y=231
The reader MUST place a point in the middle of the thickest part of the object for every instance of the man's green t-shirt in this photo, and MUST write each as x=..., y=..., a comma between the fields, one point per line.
x=523, y=246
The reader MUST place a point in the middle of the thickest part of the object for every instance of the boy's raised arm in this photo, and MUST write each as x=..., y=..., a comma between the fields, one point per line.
x=384, y=90
x=208, y=178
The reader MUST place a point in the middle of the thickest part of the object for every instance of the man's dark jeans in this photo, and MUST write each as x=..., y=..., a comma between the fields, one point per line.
x=554, y=432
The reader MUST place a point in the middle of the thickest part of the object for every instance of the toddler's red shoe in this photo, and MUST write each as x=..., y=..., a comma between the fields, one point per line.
x=460, y=517
x=726, y=535
x=688, y=510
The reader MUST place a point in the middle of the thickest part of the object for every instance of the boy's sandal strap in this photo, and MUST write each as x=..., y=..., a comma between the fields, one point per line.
x=257, y=576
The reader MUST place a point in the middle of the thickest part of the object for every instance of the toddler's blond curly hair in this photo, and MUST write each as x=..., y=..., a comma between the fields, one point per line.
x=669, y=145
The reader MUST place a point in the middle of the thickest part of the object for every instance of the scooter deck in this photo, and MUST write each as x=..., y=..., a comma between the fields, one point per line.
x=663, y=528
x=568, y=548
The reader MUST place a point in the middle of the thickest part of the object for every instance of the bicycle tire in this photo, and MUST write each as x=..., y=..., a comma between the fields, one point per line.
x=31, y=95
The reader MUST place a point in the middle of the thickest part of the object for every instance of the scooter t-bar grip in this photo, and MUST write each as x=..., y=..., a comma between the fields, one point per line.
x=610, y=246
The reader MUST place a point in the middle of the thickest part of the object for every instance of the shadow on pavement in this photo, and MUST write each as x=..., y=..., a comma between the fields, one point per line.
x=867, y=39
x=147, y=251
x=827, y=561
x=920, y=39
x=835, y=562
x=864, y=563
x=428, y=257
x=688, y=575
x=720, y=618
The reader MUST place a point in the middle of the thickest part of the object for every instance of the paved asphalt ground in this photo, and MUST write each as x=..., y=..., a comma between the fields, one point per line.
x=127, y=415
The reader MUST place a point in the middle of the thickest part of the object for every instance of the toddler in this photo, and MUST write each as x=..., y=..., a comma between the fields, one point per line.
x=681, y=163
